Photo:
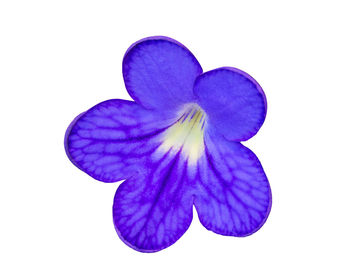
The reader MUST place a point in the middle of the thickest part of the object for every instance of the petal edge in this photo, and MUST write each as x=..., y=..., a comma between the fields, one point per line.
x=152, y=211
x=233, y=194
x=159, y=72
x=111, y=141
x=233, y=101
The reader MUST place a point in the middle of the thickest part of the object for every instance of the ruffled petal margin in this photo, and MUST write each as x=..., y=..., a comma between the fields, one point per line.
x=159, y=73
x=233, y=101
x=112, y=140
x=233, y=195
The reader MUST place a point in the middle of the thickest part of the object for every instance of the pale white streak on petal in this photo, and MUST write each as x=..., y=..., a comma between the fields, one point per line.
x=186, y=134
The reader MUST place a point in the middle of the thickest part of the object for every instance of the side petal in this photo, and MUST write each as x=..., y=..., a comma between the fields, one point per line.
x=152, y=211
x=159, y=72
x=233, y=101
x=111, y=140
x=233, y=195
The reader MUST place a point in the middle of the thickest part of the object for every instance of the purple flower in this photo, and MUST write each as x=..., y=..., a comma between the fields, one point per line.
x=176, y=146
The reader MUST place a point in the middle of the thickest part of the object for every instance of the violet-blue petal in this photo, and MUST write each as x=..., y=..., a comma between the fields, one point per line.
x=233, y=194
x=159, y=73
x=112, y=140
x=233, y=101
x=153, y=210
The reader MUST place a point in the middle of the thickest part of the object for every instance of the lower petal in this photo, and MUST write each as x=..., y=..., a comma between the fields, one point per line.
x=152, y=211
x=111, y=140
x=233, y=195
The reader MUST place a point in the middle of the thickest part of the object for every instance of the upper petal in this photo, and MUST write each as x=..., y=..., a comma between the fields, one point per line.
x=233, y=101
x=159, y=72
x=233, y=195
x=111, y=140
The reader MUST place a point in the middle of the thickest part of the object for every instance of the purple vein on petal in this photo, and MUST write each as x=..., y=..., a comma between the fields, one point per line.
x=164, y=202
x=221, y=204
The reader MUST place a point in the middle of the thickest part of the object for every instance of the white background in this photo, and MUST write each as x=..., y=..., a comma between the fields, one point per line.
x=58, y=58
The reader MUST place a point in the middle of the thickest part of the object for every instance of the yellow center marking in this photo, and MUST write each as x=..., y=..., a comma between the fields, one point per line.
x=186, y=134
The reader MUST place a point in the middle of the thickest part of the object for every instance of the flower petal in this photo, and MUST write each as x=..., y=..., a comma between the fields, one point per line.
x=233, y=101
x=159, y=72
x=111, y=140
x=152, y=211
x=233, y=194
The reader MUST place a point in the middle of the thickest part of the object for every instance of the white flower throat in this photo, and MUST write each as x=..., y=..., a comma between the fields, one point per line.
x=186, y=134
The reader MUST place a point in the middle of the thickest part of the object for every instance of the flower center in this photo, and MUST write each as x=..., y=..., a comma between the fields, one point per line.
x=186, y=134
